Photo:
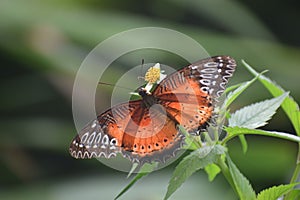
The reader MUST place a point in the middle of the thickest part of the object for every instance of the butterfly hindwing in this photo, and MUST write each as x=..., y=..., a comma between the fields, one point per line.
x=131, y=129
x=103, y=136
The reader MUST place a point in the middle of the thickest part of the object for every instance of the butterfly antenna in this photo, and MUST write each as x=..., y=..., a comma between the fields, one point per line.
x=113, y=85
x=143, y=61
x=140, y=75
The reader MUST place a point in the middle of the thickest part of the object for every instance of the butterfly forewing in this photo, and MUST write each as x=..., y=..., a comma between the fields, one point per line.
x=190, y=94
x=208, y=76
x=212, y=74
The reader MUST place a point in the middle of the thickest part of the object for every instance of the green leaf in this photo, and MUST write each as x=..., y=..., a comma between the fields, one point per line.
x=196, y=160
x=244, y=143
x=275, y=192
x=133, y=168
x=230, y=98
x=240, y=88
x=242, y=185
x=145, y=170
x=289, y=106
x=257, y=114
x=232, y=87
x=190, y=141
x=294, y=194
x=235, y=131
x=212, y=171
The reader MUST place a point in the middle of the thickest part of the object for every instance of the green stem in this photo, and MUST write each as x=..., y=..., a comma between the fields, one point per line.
x=216, y=135
x=193, y=142
x=297, y=170
x=207, y=138
x=224, y=168
x=296, y=173
x=244, y=131
x=198, y=142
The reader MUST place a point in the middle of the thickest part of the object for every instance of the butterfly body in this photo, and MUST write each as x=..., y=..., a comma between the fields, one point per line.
x=146, y=130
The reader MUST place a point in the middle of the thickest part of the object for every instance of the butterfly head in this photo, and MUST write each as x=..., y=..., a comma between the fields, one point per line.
x=143, y=92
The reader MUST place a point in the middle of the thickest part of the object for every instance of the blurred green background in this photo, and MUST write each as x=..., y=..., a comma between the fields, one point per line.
x=42, y=45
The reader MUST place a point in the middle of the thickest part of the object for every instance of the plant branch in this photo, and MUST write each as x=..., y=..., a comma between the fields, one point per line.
x=224, y=168
x=235, y=131
x=295, y=174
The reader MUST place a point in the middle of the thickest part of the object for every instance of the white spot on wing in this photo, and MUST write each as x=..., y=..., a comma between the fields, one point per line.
x=98, y=138
x=94, y=124
x=91, y=138
x=84, y=137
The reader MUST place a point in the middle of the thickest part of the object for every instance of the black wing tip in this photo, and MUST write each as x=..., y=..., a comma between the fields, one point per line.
x=228, y=59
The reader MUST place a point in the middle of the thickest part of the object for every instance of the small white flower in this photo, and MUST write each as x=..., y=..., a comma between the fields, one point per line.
x=153, y=75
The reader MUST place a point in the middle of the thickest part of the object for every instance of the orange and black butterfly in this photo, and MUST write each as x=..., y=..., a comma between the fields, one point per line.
x=146, y=130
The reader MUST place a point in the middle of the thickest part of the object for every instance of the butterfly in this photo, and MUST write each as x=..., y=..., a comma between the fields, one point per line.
x=146, y=129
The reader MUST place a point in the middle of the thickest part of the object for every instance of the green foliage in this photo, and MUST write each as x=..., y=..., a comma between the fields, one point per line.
x=212, y=171
x=294, y=195
x=241, y=183
x=196, y=160
x=256, y=115
x=190, y=142
x=243, y=143
x=290, y=107
x=275, y=192
x=240, y=88
x=235, y=131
